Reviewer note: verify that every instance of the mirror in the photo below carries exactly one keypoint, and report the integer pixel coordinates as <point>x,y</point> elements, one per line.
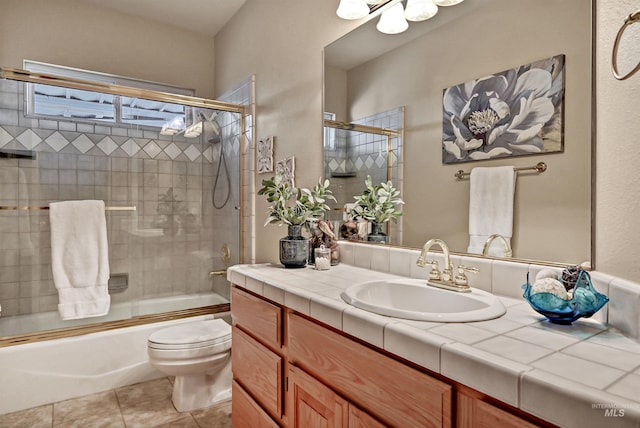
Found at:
<point>367,72</point>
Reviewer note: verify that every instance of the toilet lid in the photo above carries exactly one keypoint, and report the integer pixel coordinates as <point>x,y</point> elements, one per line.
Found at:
<point>191,335</point>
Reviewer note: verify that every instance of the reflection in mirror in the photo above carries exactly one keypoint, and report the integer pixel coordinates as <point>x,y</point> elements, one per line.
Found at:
<point>370,146</point>
<point>367,72</point>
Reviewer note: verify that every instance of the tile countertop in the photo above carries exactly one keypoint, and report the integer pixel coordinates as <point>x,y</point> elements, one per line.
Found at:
<point>582,375</point>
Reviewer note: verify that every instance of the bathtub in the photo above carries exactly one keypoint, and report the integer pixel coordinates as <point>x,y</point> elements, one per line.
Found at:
<point>21,324</point>
<point>45,372</point>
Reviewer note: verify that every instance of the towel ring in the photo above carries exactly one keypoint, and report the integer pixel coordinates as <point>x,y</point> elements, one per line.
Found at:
<point>630,19</point>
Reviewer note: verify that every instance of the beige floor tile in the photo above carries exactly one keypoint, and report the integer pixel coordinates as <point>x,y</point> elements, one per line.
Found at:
<point>184,422</point>
<point>157,389</point>
<point>95,411</point>
<point>38,417</point>
<point>144,405</point>
<point>217,416</point>
<point>151,413</point>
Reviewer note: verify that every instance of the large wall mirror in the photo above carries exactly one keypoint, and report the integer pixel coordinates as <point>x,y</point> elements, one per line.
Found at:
<point>367,73</point>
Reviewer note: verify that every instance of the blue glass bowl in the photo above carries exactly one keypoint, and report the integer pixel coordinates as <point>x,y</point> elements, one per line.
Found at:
<point>586,301</point>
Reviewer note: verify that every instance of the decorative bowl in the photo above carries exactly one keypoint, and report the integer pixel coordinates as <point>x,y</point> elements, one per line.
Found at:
<point>585,302</point>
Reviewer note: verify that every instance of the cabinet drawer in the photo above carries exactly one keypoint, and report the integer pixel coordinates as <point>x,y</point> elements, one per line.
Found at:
<point>396,394</point>
<point>258,370</point>
<point>261,318</point>
<point>475,413</point>
<point>246,413</point>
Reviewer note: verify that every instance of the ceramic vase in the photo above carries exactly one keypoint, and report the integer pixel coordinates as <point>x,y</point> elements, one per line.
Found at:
<point>294,248</point>
<point>377,235</point>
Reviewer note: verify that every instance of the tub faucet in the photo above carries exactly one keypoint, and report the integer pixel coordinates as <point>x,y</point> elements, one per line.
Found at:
<point>506,248</point>
<point>446,278</point>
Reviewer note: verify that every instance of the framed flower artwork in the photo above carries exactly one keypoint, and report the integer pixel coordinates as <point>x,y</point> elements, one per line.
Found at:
<point>516,112</point>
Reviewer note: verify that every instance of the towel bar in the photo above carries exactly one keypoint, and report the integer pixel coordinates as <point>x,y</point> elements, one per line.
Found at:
<point>37,208</point>
<point>539,167</point>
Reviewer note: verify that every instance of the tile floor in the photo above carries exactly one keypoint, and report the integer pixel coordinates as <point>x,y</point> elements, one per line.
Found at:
<point>143,405</point>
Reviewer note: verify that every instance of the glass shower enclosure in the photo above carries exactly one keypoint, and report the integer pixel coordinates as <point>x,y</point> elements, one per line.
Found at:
<point>168,168</point>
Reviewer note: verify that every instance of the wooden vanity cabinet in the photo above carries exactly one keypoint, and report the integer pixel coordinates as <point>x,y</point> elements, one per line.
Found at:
<point>291,371</point>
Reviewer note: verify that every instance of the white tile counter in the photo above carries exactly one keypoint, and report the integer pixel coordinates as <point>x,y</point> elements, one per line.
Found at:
<point>580,375</point>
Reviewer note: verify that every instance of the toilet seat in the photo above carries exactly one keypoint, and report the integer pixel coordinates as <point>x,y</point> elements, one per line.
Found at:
<point>191,335</point>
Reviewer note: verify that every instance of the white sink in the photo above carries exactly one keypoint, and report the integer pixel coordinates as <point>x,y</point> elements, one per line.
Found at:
<point>413,299</point>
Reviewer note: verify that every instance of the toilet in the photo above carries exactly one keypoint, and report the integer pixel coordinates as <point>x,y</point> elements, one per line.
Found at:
<point>198,354</point>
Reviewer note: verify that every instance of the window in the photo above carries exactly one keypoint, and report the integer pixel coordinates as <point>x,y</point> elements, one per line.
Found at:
<point>57,102</point>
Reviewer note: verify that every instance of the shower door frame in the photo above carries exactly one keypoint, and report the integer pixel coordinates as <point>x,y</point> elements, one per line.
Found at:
<point>189,101</point>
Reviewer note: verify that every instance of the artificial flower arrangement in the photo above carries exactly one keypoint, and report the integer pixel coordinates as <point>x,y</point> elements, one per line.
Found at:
<point>295,206</point>
<point>377,203</point>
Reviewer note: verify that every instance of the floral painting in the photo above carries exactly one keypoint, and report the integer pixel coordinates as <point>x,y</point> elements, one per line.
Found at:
<point>512,113</point>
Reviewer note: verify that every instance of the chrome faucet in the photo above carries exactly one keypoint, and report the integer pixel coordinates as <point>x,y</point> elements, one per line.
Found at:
<point>506,248</point>
<point>446,278</point>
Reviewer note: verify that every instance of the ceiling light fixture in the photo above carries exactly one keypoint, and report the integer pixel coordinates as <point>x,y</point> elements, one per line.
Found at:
<point>447,2</point>
<point>392,20</point>
<point>352,9</point>
<point>420,10</point>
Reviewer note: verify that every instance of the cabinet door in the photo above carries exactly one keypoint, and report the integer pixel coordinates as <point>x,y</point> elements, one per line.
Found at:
<point>313,405</point>
<point>475,413</point>
<point>392,392</point>
<point>360,419</point>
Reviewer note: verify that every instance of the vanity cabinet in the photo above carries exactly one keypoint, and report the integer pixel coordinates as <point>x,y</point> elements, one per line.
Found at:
<point>291,371</point>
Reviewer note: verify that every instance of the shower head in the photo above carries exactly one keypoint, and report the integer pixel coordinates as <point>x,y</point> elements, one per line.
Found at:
<point>212,122</point>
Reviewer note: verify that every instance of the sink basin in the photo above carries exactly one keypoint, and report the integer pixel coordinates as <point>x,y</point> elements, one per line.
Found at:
<point>413,299</point>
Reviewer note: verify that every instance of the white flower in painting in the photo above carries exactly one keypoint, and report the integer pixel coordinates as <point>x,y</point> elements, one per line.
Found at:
<point>502,114</point>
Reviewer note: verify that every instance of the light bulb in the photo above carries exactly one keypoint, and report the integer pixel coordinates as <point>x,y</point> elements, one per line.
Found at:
<point>352,9</point>
<point>447,2</point>
<point>392,20</point>
<point>420,10</point>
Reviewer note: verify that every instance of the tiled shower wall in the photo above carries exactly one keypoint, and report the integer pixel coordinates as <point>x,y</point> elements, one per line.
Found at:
<point>167,245</point>
<point>354,155</point>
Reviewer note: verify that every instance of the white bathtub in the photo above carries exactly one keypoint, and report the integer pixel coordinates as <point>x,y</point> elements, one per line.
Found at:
<point>45,372</point>
<point>21,324</point>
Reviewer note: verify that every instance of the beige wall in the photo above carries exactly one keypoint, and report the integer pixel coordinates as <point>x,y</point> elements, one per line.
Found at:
<point>281,42</point>
<point>75,34</point>
<point>552,211</point>
<point>618,148</point>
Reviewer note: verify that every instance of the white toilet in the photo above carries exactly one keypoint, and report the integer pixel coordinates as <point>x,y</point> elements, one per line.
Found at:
<point>198,354</point>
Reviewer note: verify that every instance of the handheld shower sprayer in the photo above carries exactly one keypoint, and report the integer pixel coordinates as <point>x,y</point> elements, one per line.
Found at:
<point>222,162</point>
<point>214,126</point>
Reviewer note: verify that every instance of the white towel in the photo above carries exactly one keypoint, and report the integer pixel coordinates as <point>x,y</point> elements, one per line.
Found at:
<point>491,207</point>
<point>80,258</point>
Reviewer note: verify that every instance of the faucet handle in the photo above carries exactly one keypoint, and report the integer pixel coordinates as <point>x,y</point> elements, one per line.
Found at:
<point>461,277</point>
<point>434,273</point>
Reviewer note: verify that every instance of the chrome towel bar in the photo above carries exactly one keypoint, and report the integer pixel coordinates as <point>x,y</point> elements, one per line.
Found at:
<point>539,167</point>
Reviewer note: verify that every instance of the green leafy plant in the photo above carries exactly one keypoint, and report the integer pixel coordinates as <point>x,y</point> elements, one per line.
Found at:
<point>377,203</point>
<point>295,206</point>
